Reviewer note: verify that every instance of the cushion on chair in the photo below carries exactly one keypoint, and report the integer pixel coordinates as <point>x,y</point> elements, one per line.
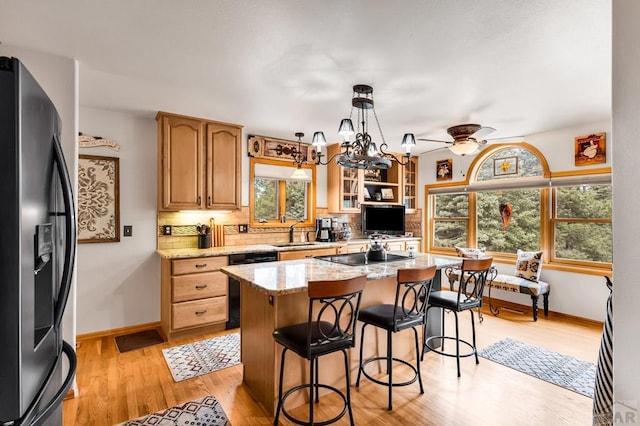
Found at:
<point>294,337</point>
<point>529,265</point>
<point>520,285</point>
<point>473,253</point>
<point>449,300</point>
<point>382,316</point>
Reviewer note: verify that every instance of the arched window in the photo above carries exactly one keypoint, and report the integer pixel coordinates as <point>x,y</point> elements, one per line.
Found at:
<point>509,163</point>
<point>512,201</point>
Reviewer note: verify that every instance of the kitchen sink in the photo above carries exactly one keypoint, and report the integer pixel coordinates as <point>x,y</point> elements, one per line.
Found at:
<point>298,244</point>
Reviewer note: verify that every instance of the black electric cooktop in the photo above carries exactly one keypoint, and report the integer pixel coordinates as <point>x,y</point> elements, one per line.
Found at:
<point>357,259</point>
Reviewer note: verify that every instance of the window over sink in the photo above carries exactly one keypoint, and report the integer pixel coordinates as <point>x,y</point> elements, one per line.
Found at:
<point>278,199</point>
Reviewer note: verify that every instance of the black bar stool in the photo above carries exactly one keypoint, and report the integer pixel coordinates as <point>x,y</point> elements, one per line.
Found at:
<point>473,276</point>
<point>408,311</point>
<point>331,327</point>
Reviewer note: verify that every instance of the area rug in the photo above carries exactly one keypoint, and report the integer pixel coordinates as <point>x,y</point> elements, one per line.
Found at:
<point>198,358</point>
<point>205,412</point>
<point>553,367</point>
<point>138,340</point>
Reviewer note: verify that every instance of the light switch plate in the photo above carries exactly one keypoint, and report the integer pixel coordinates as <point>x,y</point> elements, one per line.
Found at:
<point>243,229</point>
<point>128,230</point>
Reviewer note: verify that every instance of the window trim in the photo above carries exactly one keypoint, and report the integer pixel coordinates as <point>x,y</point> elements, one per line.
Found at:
<point>547,199</point>
<point>311,195</point>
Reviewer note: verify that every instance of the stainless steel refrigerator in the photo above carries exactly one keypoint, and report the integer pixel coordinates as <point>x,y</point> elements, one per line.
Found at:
<point>37,253</point>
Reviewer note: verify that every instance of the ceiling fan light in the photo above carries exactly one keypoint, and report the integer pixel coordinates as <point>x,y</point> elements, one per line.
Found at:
<point>464,148</point>
<point>318,139</point>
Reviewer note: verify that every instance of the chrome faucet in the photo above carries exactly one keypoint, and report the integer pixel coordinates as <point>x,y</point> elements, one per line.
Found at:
<point>291,229</point>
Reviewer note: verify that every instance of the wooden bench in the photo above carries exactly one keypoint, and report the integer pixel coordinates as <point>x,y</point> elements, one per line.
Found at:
<point>513,284</point>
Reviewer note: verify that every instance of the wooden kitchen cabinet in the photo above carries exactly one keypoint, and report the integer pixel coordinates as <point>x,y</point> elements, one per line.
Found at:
<point>199,164</point>
<point>301,254</point>
<point>193,296</point>
<point>411,185</point>
<point>343,186</point>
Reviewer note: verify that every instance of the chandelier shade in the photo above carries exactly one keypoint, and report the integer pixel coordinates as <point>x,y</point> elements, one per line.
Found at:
<point>363,152</point>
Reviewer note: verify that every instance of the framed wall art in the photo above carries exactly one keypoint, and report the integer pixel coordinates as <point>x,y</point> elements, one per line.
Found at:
<point>98,199</point>
<point>505,166</point>
<point>387,193</point>
<point>590,149</point>
<point>444,169</point>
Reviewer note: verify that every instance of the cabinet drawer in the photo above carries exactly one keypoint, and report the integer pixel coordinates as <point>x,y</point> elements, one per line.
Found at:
<point>301,254</point>
<point>395,246</point>
<point>200,264</point>
<point>199,312</point>
<point>198,286</point>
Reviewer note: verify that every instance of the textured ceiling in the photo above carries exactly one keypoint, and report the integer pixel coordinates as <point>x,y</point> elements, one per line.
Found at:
<point>281,66</point>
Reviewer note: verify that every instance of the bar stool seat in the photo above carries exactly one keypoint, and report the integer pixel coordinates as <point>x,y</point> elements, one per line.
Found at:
<point>333,311</point>
<point>408,311</point>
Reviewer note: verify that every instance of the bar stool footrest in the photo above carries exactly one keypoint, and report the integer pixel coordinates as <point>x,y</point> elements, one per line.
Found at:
<point>453,355</point>
<point>380,382</point>
<point>316,423</point>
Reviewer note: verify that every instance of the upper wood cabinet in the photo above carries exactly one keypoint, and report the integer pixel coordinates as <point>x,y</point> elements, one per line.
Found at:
<point>348,188</point>
<point>199,163</point>
<point>411,184</point>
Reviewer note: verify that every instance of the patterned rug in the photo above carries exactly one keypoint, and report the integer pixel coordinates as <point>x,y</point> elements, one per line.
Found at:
<point>553,367</point>
<point>195,359</point>
<point>204,412</point>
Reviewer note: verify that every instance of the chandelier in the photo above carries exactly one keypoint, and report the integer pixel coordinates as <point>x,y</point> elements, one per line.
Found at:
<point>363,153</point>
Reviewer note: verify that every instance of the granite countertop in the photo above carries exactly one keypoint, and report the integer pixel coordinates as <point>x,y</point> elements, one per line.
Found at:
<point>262,248</point>
<point>278,278</point>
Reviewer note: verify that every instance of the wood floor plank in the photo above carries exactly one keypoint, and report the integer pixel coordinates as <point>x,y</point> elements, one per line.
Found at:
<point>116,387</point>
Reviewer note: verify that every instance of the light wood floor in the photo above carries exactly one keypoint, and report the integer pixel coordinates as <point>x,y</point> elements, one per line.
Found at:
<point>115,387</point>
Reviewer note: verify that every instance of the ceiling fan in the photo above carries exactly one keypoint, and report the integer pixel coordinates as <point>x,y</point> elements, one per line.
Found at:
<point>467,138</point>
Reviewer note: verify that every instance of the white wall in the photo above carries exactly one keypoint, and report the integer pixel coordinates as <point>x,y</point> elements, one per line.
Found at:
<point>119,283</point>
<point>58,78</point>
<point>558,149</point>
<point>626,227</point>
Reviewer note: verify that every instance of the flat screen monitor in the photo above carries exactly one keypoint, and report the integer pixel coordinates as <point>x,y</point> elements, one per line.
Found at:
<point>387,219</point>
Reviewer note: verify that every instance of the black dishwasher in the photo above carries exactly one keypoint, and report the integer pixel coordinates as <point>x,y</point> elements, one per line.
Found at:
<point>233,295</point>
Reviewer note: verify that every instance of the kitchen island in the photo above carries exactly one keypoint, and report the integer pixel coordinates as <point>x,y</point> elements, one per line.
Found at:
<point>274,295</point>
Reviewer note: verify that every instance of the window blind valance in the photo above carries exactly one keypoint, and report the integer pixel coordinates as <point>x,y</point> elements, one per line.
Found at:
<point>270,171</point>
<point>525,183</point>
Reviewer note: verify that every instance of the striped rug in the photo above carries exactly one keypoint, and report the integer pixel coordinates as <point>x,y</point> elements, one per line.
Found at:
<point>553,367</point>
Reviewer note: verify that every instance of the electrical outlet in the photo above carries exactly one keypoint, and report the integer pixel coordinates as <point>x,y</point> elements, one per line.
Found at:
<point>166,230</point>
<point>243,229</point>
<point>128,231</point>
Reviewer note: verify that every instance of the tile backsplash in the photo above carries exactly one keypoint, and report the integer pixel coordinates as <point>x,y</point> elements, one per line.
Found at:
<point>184,233</point>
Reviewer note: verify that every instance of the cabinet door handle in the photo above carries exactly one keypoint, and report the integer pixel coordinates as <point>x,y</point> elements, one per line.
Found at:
<point>199,200</point>
<point>201,265</point>
<point>209,200</point>
<point>201,287</point>
<point>201,312</point>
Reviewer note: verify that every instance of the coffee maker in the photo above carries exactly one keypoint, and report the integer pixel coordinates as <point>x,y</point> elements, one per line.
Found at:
<point>323,229</point>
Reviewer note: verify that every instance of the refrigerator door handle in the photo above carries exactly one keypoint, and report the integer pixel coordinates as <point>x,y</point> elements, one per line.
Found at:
<point>31,417</point>
<point>70,232</point>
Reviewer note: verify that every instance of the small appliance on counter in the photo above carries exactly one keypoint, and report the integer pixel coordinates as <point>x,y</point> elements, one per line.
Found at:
<point>323,229</point>
<point>376,251</point>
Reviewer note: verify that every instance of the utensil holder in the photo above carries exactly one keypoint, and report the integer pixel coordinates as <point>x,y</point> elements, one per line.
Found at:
<point>204,241</point>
